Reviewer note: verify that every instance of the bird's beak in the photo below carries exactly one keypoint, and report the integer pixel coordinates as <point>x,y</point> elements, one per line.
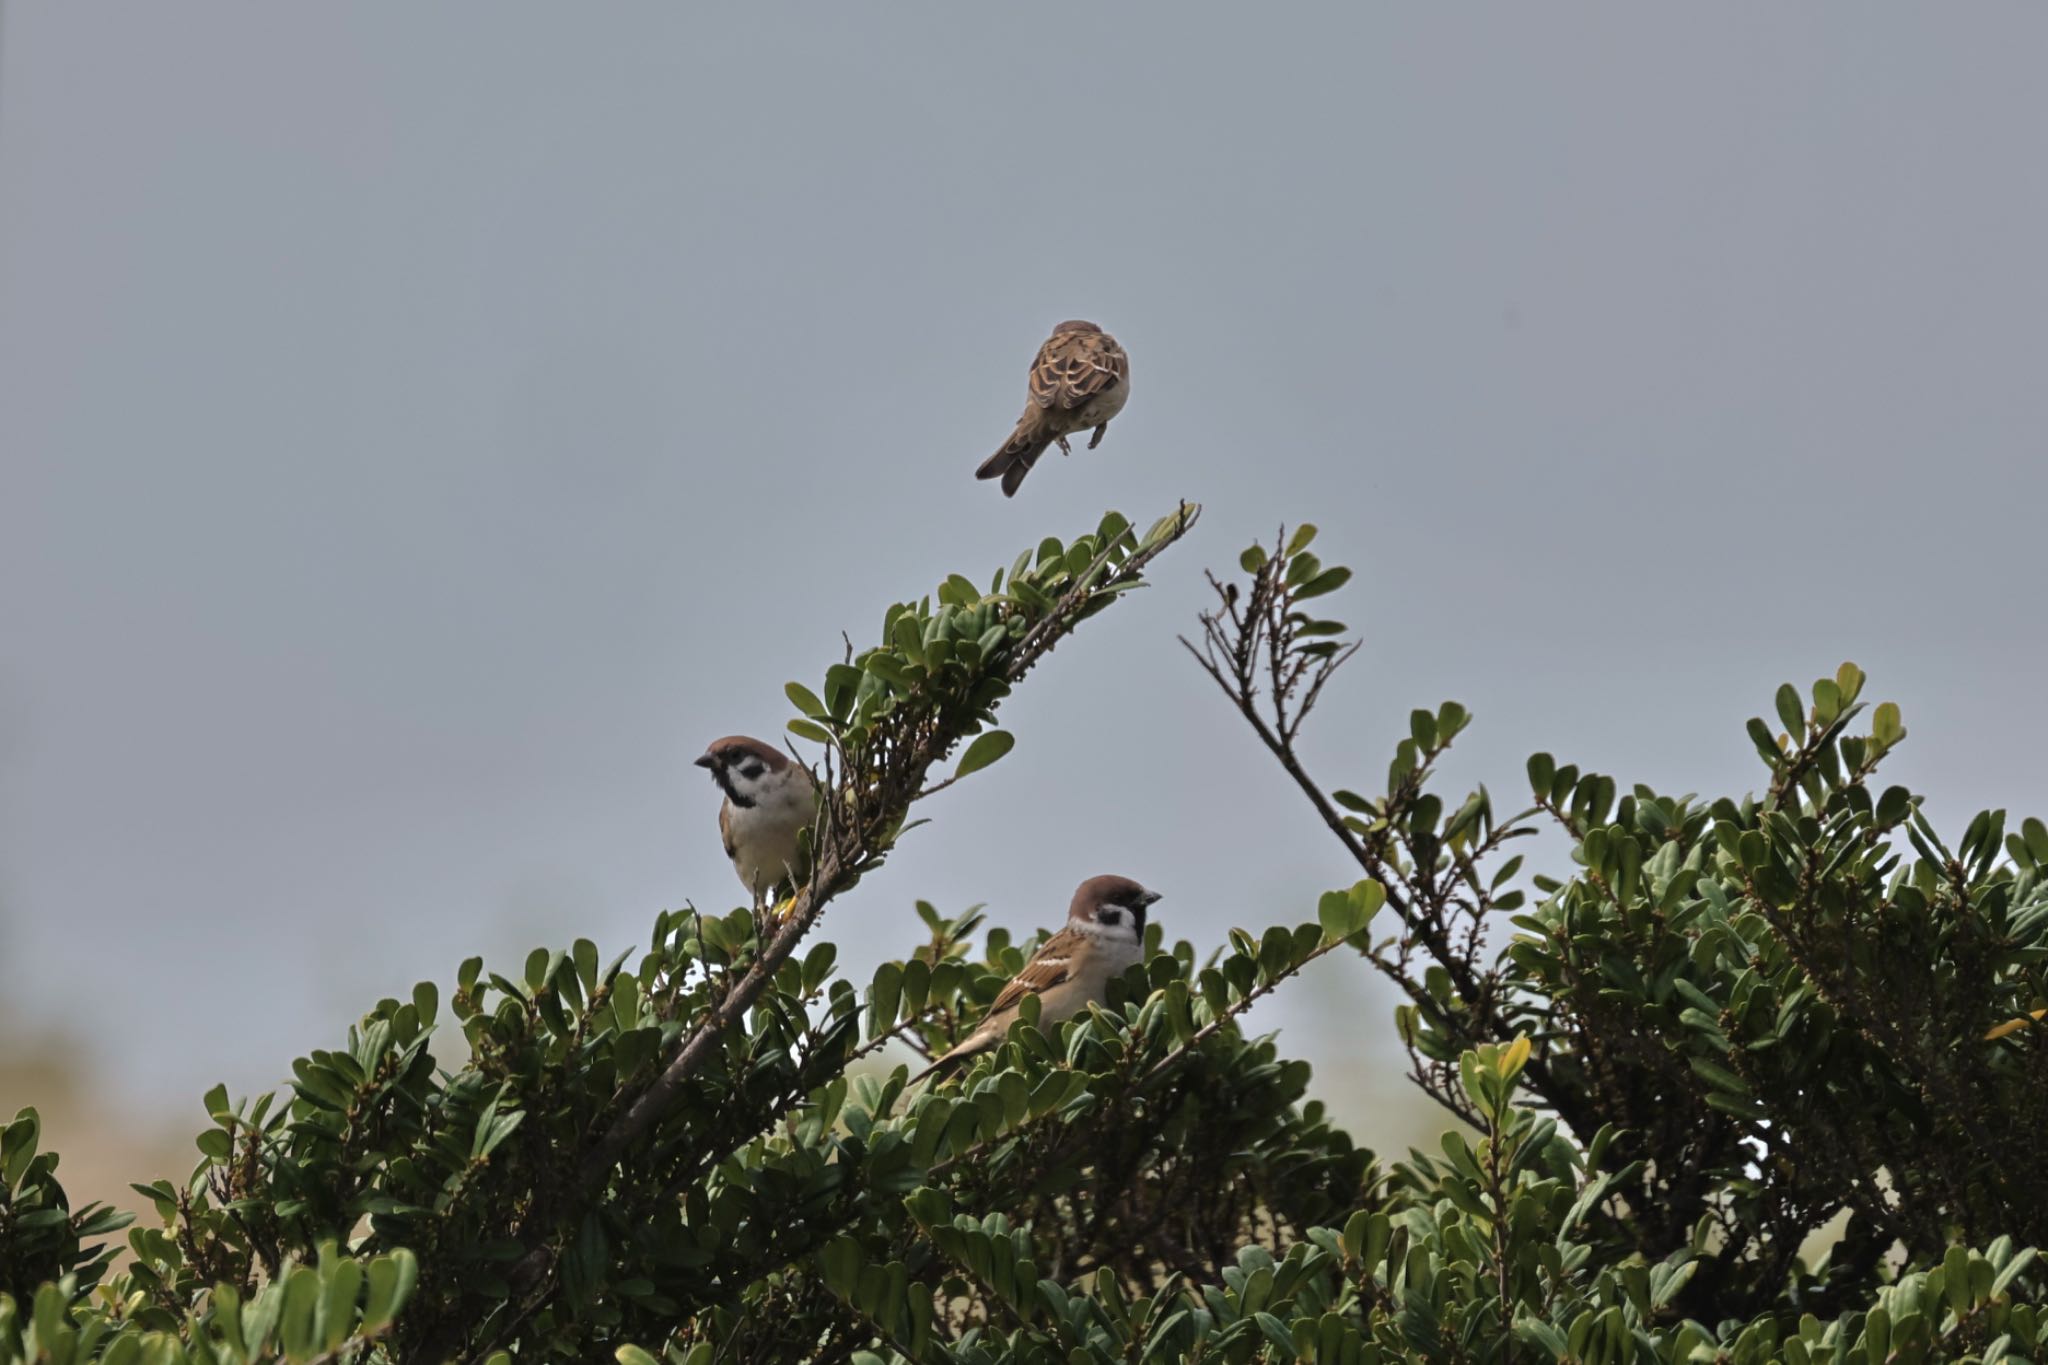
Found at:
<point>1151,896</point>
<point>707,761</point>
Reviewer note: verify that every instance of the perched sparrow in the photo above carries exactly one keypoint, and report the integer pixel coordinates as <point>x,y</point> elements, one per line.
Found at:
<point>1080,380</point>
<point>1104,934</point>
<point>770,800</point>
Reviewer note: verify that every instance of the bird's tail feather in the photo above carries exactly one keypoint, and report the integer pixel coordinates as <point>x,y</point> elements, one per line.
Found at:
<point>947,1063</point>
<point>1013,461</point>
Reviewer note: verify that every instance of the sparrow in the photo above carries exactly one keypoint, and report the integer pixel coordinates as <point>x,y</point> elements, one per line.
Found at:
<point>1103,935</point>
<point>770,800</point>
<point>1079,380</point>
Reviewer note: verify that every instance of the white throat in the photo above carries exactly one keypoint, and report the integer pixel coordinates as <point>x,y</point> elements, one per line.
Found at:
<point>773,788</point>
<point>1121,942</point>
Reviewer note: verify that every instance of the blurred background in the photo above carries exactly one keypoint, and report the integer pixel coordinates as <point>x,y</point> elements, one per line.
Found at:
<point>421,429</point>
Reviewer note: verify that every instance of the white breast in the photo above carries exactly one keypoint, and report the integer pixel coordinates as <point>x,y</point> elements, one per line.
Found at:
<point>765,835</point>
<point>1113,953</point>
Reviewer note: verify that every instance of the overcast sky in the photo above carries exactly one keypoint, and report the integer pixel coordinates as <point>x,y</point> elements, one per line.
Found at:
<point>425,426</point>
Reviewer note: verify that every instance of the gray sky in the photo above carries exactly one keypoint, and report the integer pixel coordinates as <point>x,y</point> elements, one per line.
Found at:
<point>424,427</point>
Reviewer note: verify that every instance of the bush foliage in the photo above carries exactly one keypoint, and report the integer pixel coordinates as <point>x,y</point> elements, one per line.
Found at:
<point>1734,1021</point>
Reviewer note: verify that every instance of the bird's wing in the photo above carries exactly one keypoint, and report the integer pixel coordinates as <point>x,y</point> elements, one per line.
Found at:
<point>1048,967</point>
<point>725,828</point>
<point>1073,367</point>
<point>1052,964</point>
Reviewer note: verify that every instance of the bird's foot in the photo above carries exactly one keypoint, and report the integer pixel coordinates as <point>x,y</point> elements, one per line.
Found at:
<point>1065,449</point>
<point>1096,439</point>
<point>771,915</point>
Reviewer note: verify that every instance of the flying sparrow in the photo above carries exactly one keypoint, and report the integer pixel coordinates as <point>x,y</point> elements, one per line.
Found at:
<point>770,800</point>
<point>1103,935</point>
<point>1079,380</point>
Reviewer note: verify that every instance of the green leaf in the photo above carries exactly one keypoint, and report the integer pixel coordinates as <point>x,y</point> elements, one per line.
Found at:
<point>1277,1333</point>
<point>1361,902</point>
<point>540,966</point>
<point>18,1147</point>
<point>391,1280</point>
<point>337,1313</point>
<point>1299,541</point>
<point>1664,1290</point>
<point>842,684</point>
<point>908,638</point>
<point>49,1315</point>
<point>889,669</point>
<point>842,1261</point>
<point>1790,711</point>
<point>1340,920</point>
<point>805,700</point>
<point>884,997</point>
<point>1719,1076</point>
<point>1542,1335</point>
<point>1956,1279</point>
<point>1827,700</point>
<point>426,999</point>
<point>1884,724</point>
<point>2011,1271</point>
<point>1877,1334</point>
<point>804,729</point>
<point>1766,745</point>
<point>1736,1105</point>
<point>985,749</point>
<point>301,1303</point>
<point>1328,581</point>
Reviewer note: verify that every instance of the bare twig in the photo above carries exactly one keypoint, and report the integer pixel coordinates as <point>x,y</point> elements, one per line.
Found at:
<point>935,788</point>
<point>1251,649</point>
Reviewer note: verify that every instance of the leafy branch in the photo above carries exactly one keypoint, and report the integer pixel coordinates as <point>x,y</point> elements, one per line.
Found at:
<point>886,717</point>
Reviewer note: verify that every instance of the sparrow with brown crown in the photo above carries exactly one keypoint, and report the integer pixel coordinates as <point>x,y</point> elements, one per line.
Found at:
<point>770,800</point>
<point>1080,379</point>
<point>1103,936</point>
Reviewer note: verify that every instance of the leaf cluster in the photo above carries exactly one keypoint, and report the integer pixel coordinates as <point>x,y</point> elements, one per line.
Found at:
<point>1763,1013</point>
<point>339,1307</point>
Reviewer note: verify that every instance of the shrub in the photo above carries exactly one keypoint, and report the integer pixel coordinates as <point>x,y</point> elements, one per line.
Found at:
<point>1734,1021</point>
